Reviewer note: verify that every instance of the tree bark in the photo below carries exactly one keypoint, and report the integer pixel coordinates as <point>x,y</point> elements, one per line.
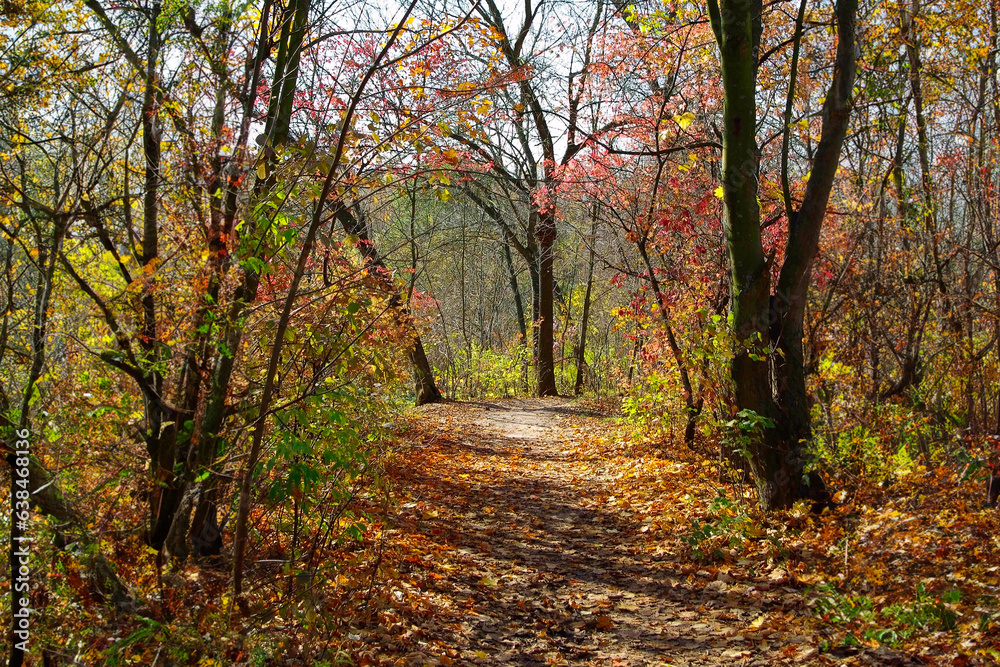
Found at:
<point>802,246</point>
<point>161,441</point>
<point>515,289</point>
<point>692,407</point>
<point>48,251</point>
<point>581,350</point>
<point>929,214</point>
<point>733,24</point>
<point>425,389</point>
<point>762,321</point>
<point>546,235</point>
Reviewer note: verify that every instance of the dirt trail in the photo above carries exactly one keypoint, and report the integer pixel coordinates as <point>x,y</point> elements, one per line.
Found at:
<point>519,556</point>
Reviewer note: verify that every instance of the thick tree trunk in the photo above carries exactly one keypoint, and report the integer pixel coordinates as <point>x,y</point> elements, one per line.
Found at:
<point>546,312</point>
<point>734,26</point>
<point>424,388</point>
<point>761,321</point>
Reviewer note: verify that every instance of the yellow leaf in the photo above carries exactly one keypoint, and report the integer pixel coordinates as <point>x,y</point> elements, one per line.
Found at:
<point>685,119</point>
<point>718,192</point>
<point>801,508</point>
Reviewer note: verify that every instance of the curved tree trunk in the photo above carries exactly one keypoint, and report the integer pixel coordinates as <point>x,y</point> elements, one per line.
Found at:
<point>789,302</point>
<point>425,389</point>
<point>691,405</point>
<point>515,289</point>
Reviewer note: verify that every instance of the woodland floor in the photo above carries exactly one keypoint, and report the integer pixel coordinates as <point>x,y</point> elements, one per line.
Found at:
<point>523,537</point>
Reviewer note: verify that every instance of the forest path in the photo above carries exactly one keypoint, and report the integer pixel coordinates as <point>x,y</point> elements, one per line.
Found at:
<point>516,551</point>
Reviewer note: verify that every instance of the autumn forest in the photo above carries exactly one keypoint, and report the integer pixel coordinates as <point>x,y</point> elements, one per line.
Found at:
<point>485,332</point>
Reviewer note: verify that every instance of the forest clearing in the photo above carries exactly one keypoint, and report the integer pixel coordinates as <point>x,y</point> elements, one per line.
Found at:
<point>473,332</point>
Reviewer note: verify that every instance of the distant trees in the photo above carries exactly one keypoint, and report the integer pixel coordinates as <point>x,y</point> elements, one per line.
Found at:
<point>541,107</point>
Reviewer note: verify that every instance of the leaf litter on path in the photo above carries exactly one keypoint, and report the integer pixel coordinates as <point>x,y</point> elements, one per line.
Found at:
<point>526,533</point>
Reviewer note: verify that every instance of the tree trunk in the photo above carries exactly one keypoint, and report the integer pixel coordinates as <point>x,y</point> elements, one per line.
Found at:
<point>800,253</point>
<point>581,350</point>
<point>270,377</point>
<point>426,390</point>
<point>515,289</point>
<point>48,250</point>
<point>48,497</point>
<point>761,321</point>
<point>692,407</point>
<point>423,375</point>
<point>735,31</point>
<point>911,42</point>
<point>546,362</point>
<point>161,423</point>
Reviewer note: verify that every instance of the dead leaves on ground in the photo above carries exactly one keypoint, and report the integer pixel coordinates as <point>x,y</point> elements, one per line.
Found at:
<point>554,540</point>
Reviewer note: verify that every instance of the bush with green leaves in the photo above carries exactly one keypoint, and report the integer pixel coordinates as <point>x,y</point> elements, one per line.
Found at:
<point>479,372</point>
<point>890,625</point>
